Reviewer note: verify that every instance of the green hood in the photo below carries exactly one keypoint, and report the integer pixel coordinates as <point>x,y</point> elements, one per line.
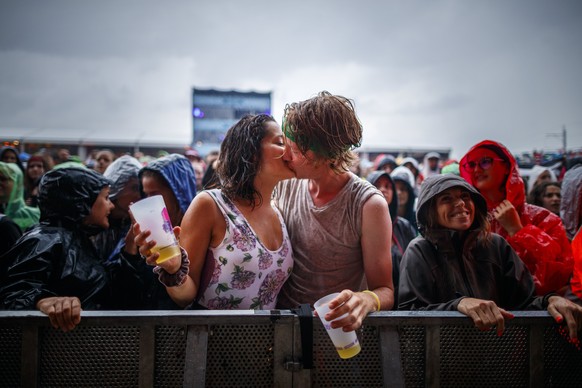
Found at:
<point>24,216</point>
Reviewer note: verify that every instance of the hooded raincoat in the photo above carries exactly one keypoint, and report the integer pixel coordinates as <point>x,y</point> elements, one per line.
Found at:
<point>56,257</point>
<point>403,174</point>
<point>436,272</point>
<point>541,243</point>
<point>178,172</point>
<point>402,231</point>
<point>121,172</point>
<point>24,216</point>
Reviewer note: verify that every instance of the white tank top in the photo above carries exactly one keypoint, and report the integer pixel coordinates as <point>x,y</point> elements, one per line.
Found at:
<point>246,274</point>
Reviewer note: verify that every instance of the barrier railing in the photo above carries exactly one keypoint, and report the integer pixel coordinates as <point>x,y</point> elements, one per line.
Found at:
<point>263,349</point>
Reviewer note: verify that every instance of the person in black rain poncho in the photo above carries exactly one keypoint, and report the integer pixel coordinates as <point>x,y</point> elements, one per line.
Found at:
<point>54,267</point>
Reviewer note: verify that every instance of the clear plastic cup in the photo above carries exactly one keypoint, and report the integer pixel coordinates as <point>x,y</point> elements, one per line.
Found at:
<point>346,343</point>
<point>151,214</point>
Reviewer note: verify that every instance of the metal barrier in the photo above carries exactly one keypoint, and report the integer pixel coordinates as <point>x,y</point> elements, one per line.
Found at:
<point>263,349</point>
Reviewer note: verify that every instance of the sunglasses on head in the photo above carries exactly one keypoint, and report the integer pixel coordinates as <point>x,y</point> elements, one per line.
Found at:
<point>485,163</point>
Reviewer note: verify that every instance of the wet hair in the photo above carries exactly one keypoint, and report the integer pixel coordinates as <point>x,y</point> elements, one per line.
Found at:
<point>327,125</point>
<point>240,158</point>
<point>538,191</point>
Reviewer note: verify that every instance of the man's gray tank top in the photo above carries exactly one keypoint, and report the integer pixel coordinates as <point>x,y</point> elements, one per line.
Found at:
<point>326,240</point>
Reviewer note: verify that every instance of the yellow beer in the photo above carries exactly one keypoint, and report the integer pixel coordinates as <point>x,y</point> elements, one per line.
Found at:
<point>349,352</point>
<point>167,252</point>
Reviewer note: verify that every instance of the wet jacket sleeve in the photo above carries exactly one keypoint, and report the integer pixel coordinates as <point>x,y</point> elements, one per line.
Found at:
<point>26,277</point>
<point>417,289</point>
<point>543,246</point>
<point>576,281</point>
<point>517,289</point>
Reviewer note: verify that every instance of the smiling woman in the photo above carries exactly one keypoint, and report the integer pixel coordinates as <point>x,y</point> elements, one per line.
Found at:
<point>458,264</point>
<point>536,234</point>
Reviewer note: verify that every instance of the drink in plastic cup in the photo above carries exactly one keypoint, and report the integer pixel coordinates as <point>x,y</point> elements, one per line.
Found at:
<point>346,343</point>
<point>151,214</point>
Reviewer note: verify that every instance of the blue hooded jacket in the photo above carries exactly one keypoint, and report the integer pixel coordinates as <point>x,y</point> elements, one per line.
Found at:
<point>179,174</point>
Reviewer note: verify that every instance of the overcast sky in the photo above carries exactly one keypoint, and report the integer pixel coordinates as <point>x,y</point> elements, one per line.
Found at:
<point>422,73</point>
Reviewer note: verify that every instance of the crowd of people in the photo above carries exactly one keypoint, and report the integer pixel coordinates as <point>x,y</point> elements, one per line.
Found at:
<point>283,215</point>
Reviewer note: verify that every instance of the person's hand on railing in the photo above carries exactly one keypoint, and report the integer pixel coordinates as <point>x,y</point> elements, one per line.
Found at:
<point>562,309</point>
<point>484,313</point>
<point>171,266</point>
<point>64,312</point>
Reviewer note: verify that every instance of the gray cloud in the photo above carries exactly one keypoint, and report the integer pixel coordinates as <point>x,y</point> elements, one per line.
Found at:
<point>422,74</point>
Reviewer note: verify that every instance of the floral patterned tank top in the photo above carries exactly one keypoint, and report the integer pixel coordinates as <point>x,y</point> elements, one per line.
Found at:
<point>246,274</point>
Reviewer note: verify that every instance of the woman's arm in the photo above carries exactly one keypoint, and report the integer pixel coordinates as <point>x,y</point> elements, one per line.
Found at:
<point>202,226</point>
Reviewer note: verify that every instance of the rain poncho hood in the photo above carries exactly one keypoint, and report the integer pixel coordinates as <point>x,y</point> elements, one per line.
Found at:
<point>412,161</point>
<point>392,206</point>
<point>120,172</point>
<point>403,174</point>
<point>14,150</point>
<point>514,187</point>
<point>426,170</point>
<point>24,216</point>
<point>571,200</point>
<point>541,243</point>
<point>178,172</point>
<point>433,186</point>
<point>66,195</point>
<point>535,172</point>
<point>384,160</point>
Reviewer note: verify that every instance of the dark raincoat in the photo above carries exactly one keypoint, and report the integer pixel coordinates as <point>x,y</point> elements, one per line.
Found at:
<point>541,243</point>
<point>402,232</point>
<point>56,257</point>
<point>403,174</point>
<point>436,273</point>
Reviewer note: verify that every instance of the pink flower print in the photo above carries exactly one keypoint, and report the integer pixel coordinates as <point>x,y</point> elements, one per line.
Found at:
<point>285,249</point>
<point>265,259</point>
<point>242,279</point>
<point>216,274</point>
<point>269,288</point>
<point>224,303</point>
<point>244,239</point>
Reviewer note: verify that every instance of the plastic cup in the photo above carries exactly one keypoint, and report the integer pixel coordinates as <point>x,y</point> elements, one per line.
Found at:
<point>346,343</point>
<point>151,214</point>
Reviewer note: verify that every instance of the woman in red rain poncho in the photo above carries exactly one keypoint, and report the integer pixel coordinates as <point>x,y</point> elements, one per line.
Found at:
<point>536,234</point>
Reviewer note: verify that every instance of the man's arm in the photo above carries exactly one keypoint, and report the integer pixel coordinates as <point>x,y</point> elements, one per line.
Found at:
<point>376,240</point>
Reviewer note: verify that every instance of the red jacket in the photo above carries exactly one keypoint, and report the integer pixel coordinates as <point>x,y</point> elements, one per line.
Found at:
<point>542,243</point>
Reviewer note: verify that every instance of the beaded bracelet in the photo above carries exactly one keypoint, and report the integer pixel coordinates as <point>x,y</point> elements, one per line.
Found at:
<point>178,278</point>
<point>375,297</point>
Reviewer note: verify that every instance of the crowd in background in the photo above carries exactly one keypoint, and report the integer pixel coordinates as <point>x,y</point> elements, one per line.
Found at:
<point>55,205</point>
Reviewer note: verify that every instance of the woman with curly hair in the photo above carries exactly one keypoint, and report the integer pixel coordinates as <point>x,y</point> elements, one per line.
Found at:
<point>236,250</point>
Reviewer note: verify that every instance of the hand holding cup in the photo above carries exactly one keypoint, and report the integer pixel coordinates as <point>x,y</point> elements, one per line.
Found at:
<point>158,242</point>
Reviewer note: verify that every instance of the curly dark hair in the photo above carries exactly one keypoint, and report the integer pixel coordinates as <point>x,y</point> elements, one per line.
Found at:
<point>327,125</point>
<point>240,158</point>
